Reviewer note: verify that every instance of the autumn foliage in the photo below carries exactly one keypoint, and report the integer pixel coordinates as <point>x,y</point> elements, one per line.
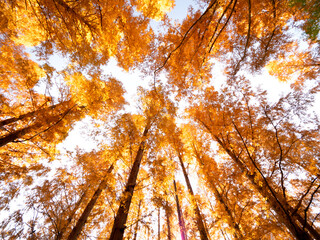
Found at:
<point>201,152</point>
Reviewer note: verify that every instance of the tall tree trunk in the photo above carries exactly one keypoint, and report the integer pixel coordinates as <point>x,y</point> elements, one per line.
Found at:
<point>159,226</point>
<point>180,217</point>
<point>11,137</point>
<point>123,211</point>
<point>279,205</point>
<point>85,214</point>
<point>31,114</point>
<point>199,218</point>
<point>36,127</point>
<point>168,221</point>
<point>231,220</point>
<point>137,223</point>
<point>71,216</point>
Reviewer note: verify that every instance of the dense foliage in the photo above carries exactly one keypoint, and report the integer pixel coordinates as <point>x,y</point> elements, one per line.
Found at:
<point>202,153</point>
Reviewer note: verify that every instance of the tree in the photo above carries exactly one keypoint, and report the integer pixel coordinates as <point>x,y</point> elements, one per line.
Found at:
<point>250,163</point>
<point>153,108</point>
<point>246,146</point>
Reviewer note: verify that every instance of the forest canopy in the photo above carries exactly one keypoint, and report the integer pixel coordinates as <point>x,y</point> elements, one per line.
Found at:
<point>203,150</point>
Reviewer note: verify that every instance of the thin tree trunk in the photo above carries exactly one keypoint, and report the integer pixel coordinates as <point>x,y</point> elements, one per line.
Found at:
<point>168,221</point>
<point>232,223</point>
<point>85,214</point>
<point>123,211</point>
<point>13,136</point>
<point>71,216</point>
<point>30,114</point>
<point>159,227</point>
<point>199,219</point>
<point>137,223</point>
<point>180,217</point>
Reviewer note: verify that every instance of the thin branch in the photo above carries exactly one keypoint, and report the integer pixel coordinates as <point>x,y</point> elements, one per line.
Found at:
<point>303,196</point>
<point>307,208</point>
<point>237,68</point>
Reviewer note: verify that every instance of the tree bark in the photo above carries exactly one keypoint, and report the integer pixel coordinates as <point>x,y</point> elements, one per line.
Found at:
<point>122,214</point>
<point>199,218</point>
<point>180,217</point>
<point>85,214</point>
<point>11,137</point>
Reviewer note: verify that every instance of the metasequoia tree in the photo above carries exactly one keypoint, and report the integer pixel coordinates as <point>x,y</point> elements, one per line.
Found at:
<point>27,136</point>
<point>154,108</point>
<point>266,153</point>
<point>182,225</point>
<point>86,212</point>
<point>175,140</point>
<point>235,202</point>
<point>256,161</point>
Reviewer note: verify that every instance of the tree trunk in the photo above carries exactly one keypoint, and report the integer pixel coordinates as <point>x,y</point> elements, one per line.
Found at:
<point>137,223</point>
<point>36,127</point>
<point>123,211</point>
<point>71,216</point>
<point>85,214</point>
<point>199,219</point>
<point>11,137</point>
<point>168,221</point>
<point>180,217</point>
<point>31,114</point>
<point>231,221</point>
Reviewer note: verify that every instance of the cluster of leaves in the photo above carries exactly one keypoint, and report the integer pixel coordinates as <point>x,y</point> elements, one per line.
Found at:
<point>239,166</point>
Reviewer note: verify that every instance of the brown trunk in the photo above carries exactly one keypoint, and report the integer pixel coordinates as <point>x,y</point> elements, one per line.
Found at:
<point>85,214</point>
<point>137,223</point>
<point>231,221</point>
<point>199,219</point>
<point>11,137</point>
<point>279,205</point>
<point>168,221</point>
<point>71,216</point>
<point>36,127</point>
<point>30,114</point>
<point>123,211</point>
<point>180,217</point>
<point>307,225</point>
<point>159,227</point>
